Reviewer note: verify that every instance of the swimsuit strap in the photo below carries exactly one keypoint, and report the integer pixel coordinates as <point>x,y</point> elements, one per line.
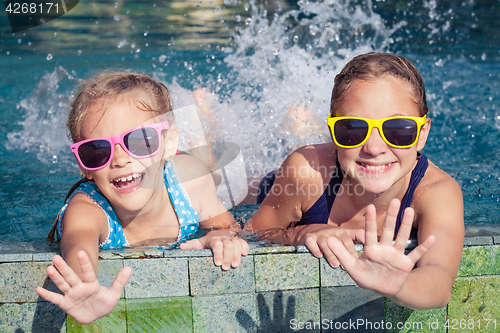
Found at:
<point>188,217</point>
<point>320,211</point>
<point>416,175</point>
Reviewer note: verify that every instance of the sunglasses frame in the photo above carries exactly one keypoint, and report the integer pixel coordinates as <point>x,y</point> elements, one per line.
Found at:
<point>378,124</point>
<point>118,139</point>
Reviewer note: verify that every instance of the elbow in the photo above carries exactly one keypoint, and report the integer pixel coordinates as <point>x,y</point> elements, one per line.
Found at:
<point>445,299</point>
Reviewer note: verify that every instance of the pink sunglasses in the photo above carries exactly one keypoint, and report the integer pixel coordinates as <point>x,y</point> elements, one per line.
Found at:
<point>140,142</point>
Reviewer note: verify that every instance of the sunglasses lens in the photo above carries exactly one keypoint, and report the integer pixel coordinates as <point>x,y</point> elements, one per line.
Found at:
<point>142,142</point>
<point>350,132</point>
<point>400,132</point>
<point>95,153</point>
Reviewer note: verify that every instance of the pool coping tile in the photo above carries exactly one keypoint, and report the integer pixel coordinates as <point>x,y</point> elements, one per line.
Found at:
<point>286,271</point>
<point>207,279</point>
<point>157,277</point>
<point>478,241</point>
<point>15,257</point>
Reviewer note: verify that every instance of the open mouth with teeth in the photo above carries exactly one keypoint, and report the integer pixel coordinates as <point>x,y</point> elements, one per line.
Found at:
<point>375,167</point>
<point>128,181</point>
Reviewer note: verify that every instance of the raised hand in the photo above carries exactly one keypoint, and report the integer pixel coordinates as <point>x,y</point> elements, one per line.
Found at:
<point>85,300</point>
<point>383,267</point>
<point>226,248</point>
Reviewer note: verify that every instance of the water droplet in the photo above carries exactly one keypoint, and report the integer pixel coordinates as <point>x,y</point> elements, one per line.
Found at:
<point>49,56</point>
<point>248,20</point>
<point>162,58</point>
<point>116,17</point>
<point>483,57</point>
<point>296,39</point>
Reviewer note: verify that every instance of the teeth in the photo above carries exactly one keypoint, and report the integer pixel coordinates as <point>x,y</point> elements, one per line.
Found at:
<point>376,167</point>
<point>117,181</point>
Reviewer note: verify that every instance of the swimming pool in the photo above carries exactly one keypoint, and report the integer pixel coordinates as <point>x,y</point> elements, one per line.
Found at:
<point>258,60</point>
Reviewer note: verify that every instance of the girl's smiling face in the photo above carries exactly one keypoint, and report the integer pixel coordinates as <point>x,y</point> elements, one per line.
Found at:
<point>376,165</point>
<point>127,182</point>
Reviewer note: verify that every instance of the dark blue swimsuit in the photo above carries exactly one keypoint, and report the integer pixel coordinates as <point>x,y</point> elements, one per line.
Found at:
<point>320,211</point>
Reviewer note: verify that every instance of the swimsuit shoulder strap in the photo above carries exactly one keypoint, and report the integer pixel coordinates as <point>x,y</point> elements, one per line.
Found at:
<point>188,217</point>
<point>320,211</point>
<point>416,175</point>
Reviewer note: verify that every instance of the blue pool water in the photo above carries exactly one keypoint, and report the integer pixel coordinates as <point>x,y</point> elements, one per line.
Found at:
<point>258,59</point>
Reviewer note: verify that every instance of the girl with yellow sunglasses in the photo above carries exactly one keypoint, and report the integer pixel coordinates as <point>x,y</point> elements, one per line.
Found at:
<point>373,185</point>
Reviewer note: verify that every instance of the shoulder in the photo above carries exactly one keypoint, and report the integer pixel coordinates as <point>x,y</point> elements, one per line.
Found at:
<point>309,163</point>
<point>190,168</point>
<point>439,196</point>
<point>197,180</point>
<point>83,216</point>
<point>436,181</point>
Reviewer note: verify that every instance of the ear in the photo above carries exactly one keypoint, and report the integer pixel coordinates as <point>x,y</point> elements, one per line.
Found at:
<point>424,132</point>
<point>170,142</point>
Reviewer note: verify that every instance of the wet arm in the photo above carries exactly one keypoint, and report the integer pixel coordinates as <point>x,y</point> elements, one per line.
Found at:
<point>83,224</point>
<point>430,284</point>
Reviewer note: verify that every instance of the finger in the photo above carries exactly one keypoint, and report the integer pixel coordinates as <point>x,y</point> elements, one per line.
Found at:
<point>404,230</point>
<point>227,254</point>
<point>370,226</point>
<point>244,248</point>
<point>312,245</point>
<point>50,296</point>
<point>120,281</point>
<point>193,244</point>
<point>58,279</point>
<point>217,248</point>
<point>66,272</point>
<point>420,250</point>
<point>88,272</point>
<point>345,258</point>
<point>390,223</point>
<point>328,254</point>
<point>236,252</point>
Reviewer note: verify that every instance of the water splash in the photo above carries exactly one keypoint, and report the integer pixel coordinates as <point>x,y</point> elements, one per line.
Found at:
<point>43,128</point>
<point>276,96</point>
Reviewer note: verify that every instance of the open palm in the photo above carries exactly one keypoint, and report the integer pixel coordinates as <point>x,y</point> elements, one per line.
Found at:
<point>383,266</point>
<point>85,300</point>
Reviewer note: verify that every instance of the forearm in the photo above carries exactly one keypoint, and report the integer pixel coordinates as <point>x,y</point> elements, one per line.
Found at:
<point>70,251</point>
<point>426,287</point>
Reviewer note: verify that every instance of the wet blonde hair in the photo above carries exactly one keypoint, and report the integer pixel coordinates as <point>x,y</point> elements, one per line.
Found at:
<point>149,94</point>
<point>376,65</point>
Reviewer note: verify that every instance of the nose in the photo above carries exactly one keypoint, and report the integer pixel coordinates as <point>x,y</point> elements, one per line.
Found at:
<point>375,145</point>
<point>120,156</point>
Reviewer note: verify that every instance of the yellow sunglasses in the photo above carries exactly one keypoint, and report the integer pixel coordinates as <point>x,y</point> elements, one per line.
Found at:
<point>397,132</point>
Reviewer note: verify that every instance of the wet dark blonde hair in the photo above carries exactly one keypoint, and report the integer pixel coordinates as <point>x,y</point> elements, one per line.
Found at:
<point>376,65</point>
<point>149,94</point>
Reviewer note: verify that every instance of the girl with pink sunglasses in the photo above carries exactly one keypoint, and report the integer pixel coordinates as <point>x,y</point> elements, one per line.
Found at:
<point>137,191</point>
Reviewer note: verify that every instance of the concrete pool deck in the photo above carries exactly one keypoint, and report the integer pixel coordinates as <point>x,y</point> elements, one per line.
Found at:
<point>277,288</point>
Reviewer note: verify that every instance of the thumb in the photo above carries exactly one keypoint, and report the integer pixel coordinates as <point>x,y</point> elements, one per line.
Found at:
<point>357,235</point>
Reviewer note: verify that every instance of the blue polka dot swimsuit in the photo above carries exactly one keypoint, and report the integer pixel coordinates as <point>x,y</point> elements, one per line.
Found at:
<point>188,218</point>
